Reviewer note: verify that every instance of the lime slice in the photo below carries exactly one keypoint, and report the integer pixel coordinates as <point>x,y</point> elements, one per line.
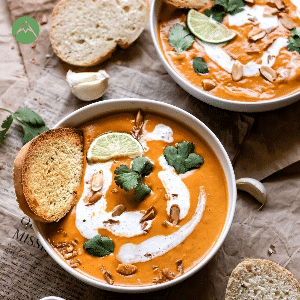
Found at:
<point>208,30</point>
<point>113,144</point>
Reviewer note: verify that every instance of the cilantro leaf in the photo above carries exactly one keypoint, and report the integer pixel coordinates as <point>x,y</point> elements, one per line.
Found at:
<point>5,125</point>
<point>170,154</point>
<point>235,7</point>
<point>180,38</point>
<point>221,7</point>
<point>183,159</point>
<point>142,165</point>
<point>99,246</point>
<point>127,180</point>
<point>185,148</point>
<point>200,65</point>
<point>30,117</point>
<point>295,32</point>
<point>122,169</point>
<point>31,122</point>
<point>141,191</point>
<point>217,12</point>
<point>294,40</point>
<point>221,3</point>
<point>31,132</point>
<point>194,161</point>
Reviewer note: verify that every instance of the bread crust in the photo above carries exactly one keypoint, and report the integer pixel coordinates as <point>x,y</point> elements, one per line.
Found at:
<point>18,164</point>
<point>96,61</point>
<point>286,276</point>
<point>196,4</point>
<point>21,178</point>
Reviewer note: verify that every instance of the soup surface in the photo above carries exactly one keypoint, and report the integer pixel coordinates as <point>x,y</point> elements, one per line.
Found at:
<point>271,50</point>
<point>201,195</point>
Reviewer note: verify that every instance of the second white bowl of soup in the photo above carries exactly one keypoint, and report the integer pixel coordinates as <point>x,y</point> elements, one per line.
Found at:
<point>270,71</point>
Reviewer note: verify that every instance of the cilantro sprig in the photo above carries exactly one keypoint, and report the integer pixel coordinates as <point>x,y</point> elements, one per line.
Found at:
<point>99,246</point>
<point>183,157</point>
<point>180,38</point>
<point>31,122</point>
<point>294,40</point>
<point>131,178</point>
<point>222,7</point>
<point>200,66</point>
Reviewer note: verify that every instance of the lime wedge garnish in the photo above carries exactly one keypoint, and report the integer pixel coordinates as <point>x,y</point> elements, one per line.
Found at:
<point>113,144</point>
<point>207,29</point>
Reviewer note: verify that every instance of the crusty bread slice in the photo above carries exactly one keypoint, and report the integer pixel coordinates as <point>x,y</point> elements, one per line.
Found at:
<point>196,4</point>
<point>261,279</point>
<point>47,174</point>
<point>86,32</point>
<point>18,164</point>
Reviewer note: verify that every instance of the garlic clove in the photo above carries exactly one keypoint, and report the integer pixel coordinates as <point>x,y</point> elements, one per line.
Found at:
<point>253,187</point>
<point>88,86</point>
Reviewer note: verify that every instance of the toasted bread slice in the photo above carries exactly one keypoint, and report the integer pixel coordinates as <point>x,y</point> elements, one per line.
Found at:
<point>86,32</point>
<point>261,279</point>
<point>196,4</point>
<point>47,174</point>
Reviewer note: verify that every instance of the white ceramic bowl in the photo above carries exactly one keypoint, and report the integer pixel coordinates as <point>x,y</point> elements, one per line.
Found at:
<point>240,106</point>
<point>111,106</point>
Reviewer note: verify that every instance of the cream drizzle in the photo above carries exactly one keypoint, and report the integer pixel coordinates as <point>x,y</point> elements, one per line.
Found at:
<point>90,218</point>
<point>158,245</point>
<point>176,190</point>
<point>220,57</point>
<point>297,4</point>
<point>256,12</point>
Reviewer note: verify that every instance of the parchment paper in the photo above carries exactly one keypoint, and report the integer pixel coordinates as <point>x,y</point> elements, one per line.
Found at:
<point>27,272</point>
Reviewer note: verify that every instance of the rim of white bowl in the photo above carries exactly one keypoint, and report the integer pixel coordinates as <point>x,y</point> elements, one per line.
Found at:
<point>52,298</point>
<point>239,106</point>
<point>93,110</point>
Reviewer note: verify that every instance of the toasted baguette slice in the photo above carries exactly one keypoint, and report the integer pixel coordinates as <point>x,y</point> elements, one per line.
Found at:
<point>196,4</point>
<point>86,32</point>
<point>261,279</point>
<point>47,174</point>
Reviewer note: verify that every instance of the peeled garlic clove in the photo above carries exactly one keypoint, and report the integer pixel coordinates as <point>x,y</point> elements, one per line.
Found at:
<point>88,86</point>
<point>253,187</point>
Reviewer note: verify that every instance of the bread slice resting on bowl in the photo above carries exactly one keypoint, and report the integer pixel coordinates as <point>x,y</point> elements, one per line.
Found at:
<point>48,172</point>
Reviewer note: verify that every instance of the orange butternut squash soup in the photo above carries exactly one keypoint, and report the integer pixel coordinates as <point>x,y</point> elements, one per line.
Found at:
<point>258,59</point>
<point>153,201</point>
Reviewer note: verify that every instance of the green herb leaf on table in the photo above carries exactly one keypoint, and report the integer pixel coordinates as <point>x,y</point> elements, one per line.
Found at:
<point>180,38</point>
<point>31,132</point>
<point>29,117</point>
<point>294,40</point>
<point>200,66</point>
<point>99,246</point>
<point>5,126</point>
<point>141,191</point>
<point>183,157</point>
<point>31,122</point>
<point>131,178</point>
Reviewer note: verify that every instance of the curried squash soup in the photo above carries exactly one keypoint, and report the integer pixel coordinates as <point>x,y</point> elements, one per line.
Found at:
<point>261,62</point>
<point>153,201</point>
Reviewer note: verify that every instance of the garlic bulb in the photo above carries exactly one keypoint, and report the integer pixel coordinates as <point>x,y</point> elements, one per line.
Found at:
<point>88,86</point>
